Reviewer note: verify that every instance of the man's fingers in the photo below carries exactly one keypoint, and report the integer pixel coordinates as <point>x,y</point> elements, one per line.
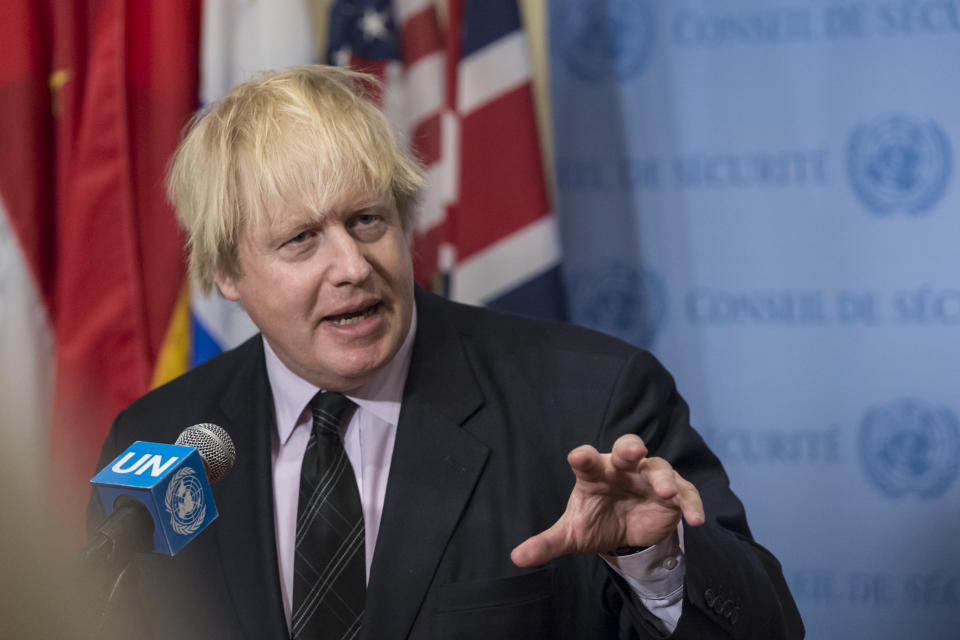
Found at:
<point>690,503</point>
<point>628,452</point>
<point>586,463</point>
<point>667,484</point>
<point>645,475</point>
<point>658,475</point>
<point>661,477</point>
<point>541,548</point>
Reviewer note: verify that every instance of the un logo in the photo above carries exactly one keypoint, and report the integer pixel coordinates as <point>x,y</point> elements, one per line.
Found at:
<point>899,164</point>
<point>604,39</point>
<point>908,446</point>
<point>184,502</point>
<point>621,301</point>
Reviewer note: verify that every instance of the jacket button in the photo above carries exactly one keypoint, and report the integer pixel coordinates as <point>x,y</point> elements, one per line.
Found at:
<point>710,597</point>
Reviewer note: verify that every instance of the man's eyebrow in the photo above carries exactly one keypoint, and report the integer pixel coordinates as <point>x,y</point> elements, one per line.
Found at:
<point>289,226</point>
<point>365,205</point>
<point>296,219</point>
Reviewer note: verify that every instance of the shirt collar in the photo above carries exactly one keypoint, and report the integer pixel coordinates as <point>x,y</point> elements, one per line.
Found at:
<point>381,395</point>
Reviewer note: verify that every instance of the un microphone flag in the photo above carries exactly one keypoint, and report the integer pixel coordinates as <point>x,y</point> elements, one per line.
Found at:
<point>170,481</point>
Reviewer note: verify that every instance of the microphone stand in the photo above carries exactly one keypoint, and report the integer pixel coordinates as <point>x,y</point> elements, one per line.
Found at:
<point>106,564</point>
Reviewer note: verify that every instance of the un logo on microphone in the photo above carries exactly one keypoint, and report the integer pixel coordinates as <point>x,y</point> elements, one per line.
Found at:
<point>601,41</point>
<point>910,447</point>
<point>184,502</point>
<point>621,301</point>
<point>899,163</point>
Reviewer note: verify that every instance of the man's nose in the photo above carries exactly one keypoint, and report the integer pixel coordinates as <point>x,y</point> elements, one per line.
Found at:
<point>348,263</point>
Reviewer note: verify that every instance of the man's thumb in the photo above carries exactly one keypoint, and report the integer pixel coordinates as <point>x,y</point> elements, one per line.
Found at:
<point>539,549</point>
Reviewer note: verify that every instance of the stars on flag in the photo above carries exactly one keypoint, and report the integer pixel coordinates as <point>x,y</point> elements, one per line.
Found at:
<point>373,24</point>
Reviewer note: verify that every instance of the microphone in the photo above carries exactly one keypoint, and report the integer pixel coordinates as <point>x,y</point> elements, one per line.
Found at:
<point>157,496</point>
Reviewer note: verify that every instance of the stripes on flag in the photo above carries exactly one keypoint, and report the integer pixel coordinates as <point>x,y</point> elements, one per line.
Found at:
<point>502,228</point>
<point>465,104</point>
<point>400,43</point>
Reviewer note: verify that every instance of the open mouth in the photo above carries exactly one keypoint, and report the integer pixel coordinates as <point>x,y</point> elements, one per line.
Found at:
<point>354,316</point>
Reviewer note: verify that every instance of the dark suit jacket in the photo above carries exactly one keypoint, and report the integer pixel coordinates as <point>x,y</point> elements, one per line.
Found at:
<point>492,405</point>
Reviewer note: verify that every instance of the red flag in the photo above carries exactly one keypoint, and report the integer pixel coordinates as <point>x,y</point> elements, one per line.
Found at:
<point>121,80</point>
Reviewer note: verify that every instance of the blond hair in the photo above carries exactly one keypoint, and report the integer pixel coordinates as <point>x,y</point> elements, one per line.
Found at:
<point>300,137</point>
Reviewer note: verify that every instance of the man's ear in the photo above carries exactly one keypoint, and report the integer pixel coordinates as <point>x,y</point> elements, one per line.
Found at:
<point>228,287</point>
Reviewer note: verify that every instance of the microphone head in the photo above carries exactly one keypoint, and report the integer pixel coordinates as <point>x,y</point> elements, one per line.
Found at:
<point>215,447</point>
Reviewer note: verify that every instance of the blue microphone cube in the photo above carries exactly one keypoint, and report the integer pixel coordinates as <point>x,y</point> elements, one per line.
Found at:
<point>172,484</point>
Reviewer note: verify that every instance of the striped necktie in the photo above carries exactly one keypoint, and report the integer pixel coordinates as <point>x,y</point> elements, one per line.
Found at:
<point>329,583</point>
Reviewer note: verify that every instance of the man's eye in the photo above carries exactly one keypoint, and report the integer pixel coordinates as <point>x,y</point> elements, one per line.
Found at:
<point>300,237</point>
<point>367,226</point>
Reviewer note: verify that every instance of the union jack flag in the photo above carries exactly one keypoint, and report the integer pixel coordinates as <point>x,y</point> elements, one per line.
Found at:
<point>485,233</point>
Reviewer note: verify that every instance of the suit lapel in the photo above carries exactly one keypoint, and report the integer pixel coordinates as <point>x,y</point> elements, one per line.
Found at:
<point>245,530</point>
<point>434,468</point>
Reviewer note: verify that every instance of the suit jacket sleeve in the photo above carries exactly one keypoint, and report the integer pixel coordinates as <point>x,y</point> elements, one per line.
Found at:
<point>733,586</point>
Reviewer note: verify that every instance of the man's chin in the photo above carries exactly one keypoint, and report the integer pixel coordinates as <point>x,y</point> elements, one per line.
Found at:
<point>347,378</point>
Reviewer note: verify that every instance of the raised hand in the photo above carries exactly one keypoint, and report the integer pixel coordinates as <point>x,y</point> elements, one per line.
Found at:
<point>621,498</point>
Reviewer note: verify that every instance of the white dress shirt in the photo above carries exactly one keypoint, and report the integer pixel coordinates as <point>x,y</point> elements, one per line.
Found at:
<point>655,574</point>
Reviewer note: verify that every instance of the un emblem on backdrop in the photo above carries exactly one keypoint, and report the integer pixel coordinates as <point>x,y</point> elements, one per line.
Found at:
<point>899,163</point>
<point>910,447</point>
<point>606,39</point>
<point>621,301</point>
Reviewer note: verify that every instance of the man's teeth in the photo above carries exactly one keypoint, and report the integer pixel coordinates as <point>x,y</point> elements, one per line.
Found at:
<point>354,319</point>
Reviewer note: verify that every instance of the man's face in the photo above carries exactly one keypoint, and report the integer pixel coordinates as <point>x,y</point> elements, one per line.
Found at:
<point>333,296</point>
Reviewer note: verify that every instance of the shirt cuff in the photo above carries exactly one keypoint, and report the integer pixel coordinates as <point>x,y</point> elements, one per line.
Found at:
<point>656,576</point>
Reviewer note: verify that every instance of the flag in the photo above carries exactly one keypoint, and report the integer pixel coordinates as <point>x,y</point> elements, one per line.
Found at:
<point>465,105</point>
<point>501,228</point>
<point>400,44</point>
<point>239,39</point>
<point>484,232</point>
<point>26,231</point>
<point>96,95</point>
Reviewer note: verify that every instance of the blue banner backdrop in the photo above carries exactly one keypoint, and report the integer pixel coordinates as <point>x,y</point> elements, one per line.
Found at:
<point>764,193</point>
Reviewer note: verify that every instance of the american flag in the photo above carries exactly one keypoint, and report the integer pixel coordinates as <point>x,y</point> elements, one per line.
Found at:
<point>485,233</point>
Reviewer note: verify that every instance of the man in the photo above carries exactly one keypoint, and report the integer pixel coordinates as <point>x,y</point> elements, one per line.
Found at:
<point>468,433</point>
